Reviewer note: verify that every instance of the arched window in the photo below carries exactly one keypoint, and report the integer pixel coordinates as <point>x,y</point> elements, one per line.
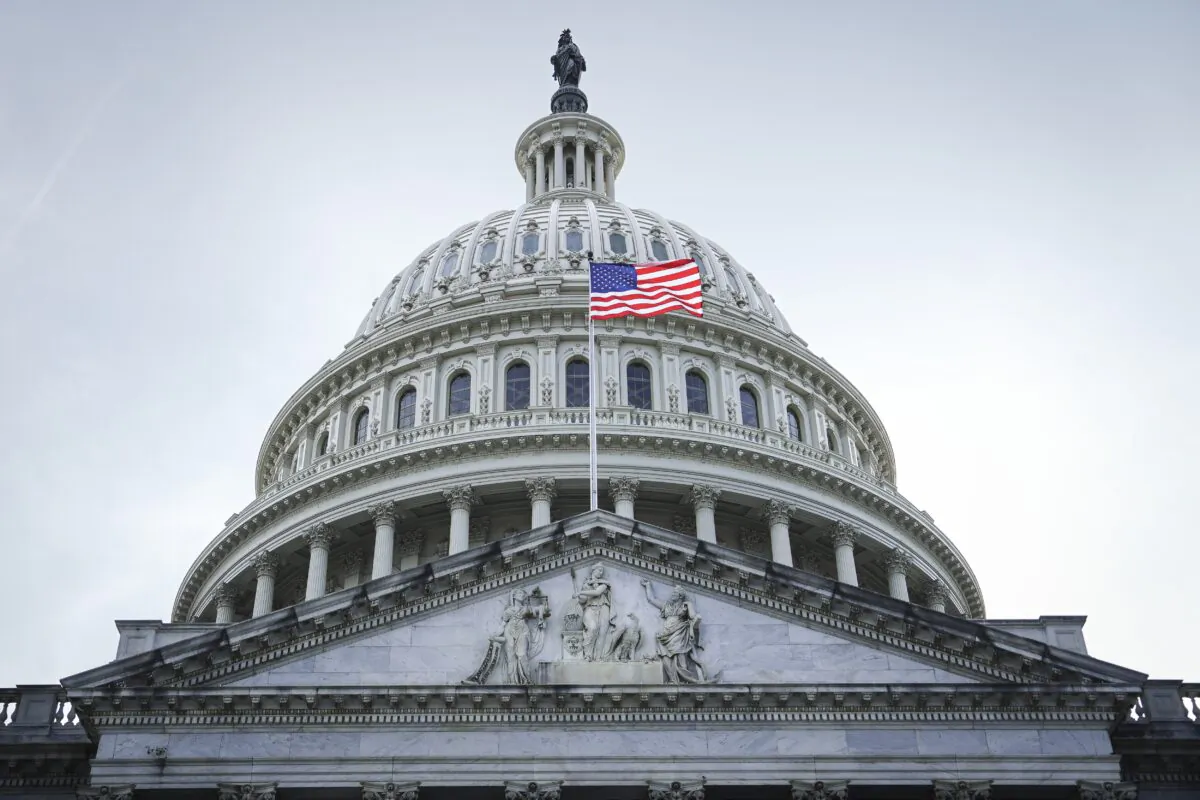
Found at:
<point>574,241</point>
<point>516,387</point>
<point>323,444</point>
<point>862,459</point>
<point>697,392</point>
<point>578,378</point>
<point>449,263</point>
<point>406,409</point>
<point>637,385</point>
<point>731,277</point>
<point>749,407</point>
<point>832,437</point>
<point>570,173</point>
<point>487,253</point>
<point>618,244</point>
<point>795,427</point>
<point>529,243</point>
<point>414,283</point>
<point>362,426</point>
<point>701,264</point>
<point>459,399</point>
<point>658,249</point>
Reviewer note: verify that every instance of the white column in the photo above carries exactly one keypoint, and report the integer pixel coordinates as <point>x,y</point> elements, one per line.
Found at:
<point>318,540</point>
<point>844,537</point>
<point>225,597</point>
<point>529,176</point>
<point>623,491</point>
<point>384,515</point>
<point>540,174</point>
<point>898,563</point>
<point>580,163</point>
<point>411,542</point>
<point>542,492</point>
<point>598,154</point>
<point>936,595</point>
<point>610,180</point>
<point>460,499</point>
<point>266,565</point>
<point>704,500</point>
<point>779,515</point>
<point>560,168</point>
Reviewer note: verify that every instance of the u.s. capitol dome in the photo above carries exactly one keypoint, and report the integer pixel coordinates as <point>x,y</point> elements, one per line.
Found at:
<point>458,414</point>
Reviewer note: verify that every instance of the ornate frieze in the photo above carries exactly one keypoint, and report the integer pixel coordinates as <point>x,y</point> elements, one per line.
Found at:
<point>542,488</point>
<point>1107,790</point>
<point>962,790</point>
<point>546,790</point>
<point>521,638</point>
<point>113,792</point>
<point>676,790</point>
<point>820,790</point>
<point>246,791</point>
<point>266,564</point>
<point>390,791</point>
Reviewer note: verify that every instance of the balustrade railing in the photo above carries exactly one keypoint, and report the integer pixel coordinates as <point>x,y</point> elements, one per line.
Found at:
<point>1167,701</point>
<point>37,711</point>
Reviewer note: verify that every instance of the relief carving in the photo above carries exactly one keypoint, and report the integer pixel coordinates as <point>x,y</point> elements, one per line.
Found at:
<point>390,791</point>
<point>679,638</point>
<point>520,640</point>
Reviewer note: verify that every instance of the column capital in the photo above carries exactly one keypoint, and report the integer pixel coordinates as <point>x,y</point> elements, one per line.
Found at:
<point>225,595</point>
<point>411,542</point>
<point>246,791</point>
<point>383,513</point>
<point>937,592</point>
<point>541,489</point>
<point>1106,790</point>
<point>460,498</point>
<point>390,791</point>
<point>113,792</point>
<point>752,540</point>
<point>676,790</point>
<point>898,562</point>
<point>843,534</point>
<point>319,535</point>
<point>266,564</point>
<point>623,487</point>
<point>777,512</point>
<point>962,790</point>
<point>705,496</point>
<point>820,790</point>
<point>530,790</point>
<point>478,530</point>
<point>352,560</point>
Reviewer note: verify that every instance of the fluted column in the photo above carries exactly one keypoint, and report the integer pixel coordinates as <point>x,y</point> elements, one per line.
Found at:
<point>318,540</point>
<point>560,168</point>
<point>704,500</point>
<point>529,176</point>
<point>460,499</point>
<point>844,537</point>
<point>898,563</point>
<point>225,597</point>
<point>623,491</point>
<point>540,170</point>
<point>266,565</point>
<point>936,596</point>
<point>580,163</point>
<point>542,492</point>
<point>598,154</point>
<point>384,515</point>
<point>779,515</point>
<point>610,180</point>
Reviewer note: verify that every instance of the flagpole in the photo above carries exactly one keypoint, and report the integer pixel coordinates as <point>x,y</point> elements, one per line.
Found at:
<point>593,372</point>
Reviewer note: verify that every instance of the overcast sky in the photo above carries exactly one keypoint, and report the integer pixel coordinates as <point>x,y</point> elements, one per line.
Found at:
<point>986,215</point>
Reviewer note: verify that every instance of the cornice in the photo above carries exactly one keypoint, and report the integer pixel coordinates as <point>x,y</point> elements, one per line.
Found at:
<point>377,459</point>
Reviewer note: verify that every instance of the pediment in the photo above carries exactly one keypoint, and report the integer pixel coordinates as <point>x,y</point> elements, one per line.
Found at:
<point>761,624</point>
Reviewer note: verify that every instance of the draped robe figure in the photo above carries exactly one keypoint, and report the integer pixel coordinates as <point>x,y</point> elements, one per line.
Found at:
<point>679,637</point>
<point>568,61</point>
<point>595,596</point>
<point>520,640</point>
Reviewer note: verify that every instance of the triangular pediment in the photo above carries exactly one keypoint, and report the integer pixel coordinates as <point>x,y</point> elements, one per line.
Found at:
<point>761,624</point>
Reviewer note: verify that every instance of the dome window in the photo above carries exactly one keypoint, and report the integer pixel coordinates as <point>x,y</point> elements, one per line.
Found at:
<point>701,264</point>
<point>529,243</point>
<point>637,385</point>
<point>459,400</point>
<point>749,407</point>
<point>618,244</point>
<point>323,444</point>
<point>516,387</point>
<point>795,428</point>
<point>697,392</point>
<point>362,426</point>
<point>832,438</point>
<point>449,264</point>
<point>735,283</point>
<point>658,249</point>
<point>574,241</point>
<point>487,253</point>
<point>414,283</point>
<point>406,409</point>
<point>578,383</point>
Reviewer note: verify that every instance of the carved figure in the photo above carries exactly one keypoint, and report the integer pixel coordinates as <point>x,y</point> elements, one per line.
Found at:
<point>521,638</point>
<point>568,61</point>
<point>626,642</point>
<point>595,597</point>
<point>679,638</point>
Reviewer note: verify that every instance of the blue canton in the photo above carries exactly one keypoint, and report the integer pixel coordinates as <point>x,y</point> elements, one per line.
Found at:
<point>613,278</point>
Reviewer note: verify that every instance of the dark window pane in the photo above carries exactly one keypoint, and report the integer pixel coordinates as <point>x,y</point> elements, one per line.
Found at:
<point>460,395</point>
<point>794,425</point>
<point>406,409</point>
<point>414,284</point>
<point>697,393</point>
<point>516,387</point>
<point>449,264</point>
<point>362,426</point>
<point>323,444</point>
<point>487,253</point>
<point>574,241</point>
<point>637,385</point>
<point>735,283</point>
<point>577,384</point>
<point>529,244</point>
<point>833,440</point>
<point>701,263</point>
<point>749,408</point>
<point>658,249</point>
<point>617,243</point>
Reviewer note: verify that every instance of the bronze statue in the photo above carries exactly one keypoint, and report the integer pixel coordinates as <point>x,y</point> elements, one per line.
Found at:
<point>568,61</point>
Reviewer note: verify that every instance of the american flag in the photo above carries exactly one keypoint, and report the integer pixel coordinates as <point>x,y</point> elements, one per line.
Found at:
<point>645,290</point>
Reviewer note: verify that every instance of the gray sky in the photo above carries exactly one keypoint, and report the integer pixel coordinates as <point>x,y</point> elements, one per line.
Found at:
<point>984,214</point>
